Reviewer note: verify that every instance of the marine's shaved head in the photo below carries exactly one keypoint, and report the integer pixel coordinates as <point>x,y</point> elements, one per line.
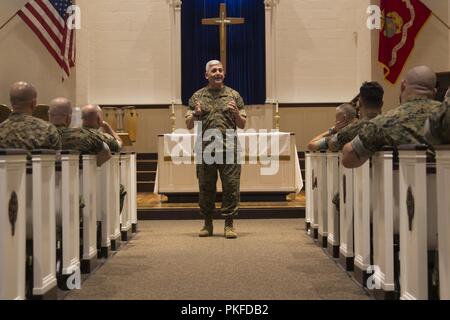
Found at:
<point>420,81</point>
<point>60,106</point>
<point>347,109</point>
<point>60,112</point>
<point>92,116</point>
<point>22,96</point>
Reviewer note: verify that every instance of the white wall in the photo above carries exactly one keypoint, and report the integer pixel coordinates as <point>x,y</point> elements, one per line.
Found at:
<point>129,43</point>
<point>317,50</point>
<point>23,57</point>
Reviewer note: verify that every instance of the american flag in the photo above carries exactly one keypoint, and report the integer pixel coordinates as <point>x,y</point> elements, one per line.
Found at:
<point>48,20</point>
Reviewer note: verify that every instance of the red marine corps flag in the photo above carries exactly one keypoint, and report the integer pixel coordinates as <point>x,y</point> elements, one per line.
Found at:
<point>402,21</point>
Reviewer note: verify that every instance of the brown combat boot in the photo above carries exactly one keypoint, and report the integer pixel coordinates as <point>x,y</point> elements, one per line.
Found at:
<point>207,230</point>
<point>230,233</point>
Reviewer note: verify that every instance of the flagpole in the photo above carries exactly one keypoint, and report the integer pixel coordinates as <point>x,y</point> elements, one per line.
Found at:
<point>434,14</point>
<point>3,25</point>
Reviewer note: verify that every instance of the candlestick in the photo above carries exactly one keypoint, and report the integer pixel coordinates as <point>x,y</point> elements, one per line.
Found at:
<point>276,107</point>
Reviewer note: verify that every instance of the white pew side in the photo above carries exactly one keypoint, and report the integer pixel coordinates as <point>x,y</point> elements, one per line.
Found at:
<point>41,226</point>
<point>133,192</point>
<point>346,251</point>
<point>333,214</point>
<point>443,187</point>
<point>125,180</point>
<point>322,197</point>
<point>12,224</point>
<point>88,185</point>
<point>418,221</point>
<point>68,214</point>
<point>362,205</point>
<point>383,223</point>
<point>114,225</point>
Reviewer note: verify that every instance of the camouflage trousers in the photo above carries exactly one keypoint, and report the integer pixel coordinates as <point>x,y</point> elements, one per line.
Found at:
<point>230,175</point>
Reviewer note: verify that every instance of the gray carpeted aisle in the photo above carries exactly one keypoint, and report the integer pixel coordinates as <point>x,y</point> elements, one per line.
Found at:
<point>271,259</point>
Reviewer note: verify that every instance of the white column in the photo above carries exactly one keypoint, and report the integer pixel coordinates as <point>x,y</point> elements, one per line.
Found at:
<point>12,230</point>
<point>308,191</point>
<point>417,217</point>
<point>361,198</point>
<point>70,210</point>
<point>383,220</point>
<point>89,192</point>
<point>271,45</point>
<point>322,198</point>
<point>443,187</point>
<point>42,211</point>
<point>125,218</point>
<point>175,49</point>
<point>332,190</point>
<point>83,57</point>
<point>346,214</point>
<point>114,228</point>
<point>105,203</point>
<point>315,198</point>
<point>133,194</point>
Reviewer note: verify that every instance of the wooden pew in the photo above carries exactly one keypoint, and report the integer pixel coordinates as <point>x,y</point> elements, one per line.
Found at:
<point>67,216</point>
<point>133,192</point>
<point>308,191</point>
<point>114,223</point>
<point>346,252</point>
<point>322,197</point>
<point>361,215</point>
<point>384,204</point>
<point>12,224</point>
<point>418,221</point>
<point>88,190</point>
<point>333,214</point>
<point>125,180</point>
<point>443,187</point>
<point>41,227</point>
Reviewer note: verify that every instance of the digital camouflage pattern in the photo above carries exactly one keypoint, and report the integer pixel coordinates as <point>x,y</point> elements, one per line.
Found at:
<point>438,127</point>
<point>80,139</point>
<point>105,137</point>
<point>23,131</point>
<point>207,178</point>
<point>215,116</point>
<point>347,134</point>
<point>403,125</point>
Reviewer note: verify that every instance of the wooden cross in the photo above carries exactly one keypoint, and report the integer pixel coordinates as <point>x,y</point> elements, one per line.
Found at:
<point>222,21</point>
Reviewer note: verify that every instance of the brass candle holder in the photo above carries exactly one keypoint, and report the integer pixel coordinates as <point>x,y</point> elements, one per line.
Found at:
<point>277,117</point>
<point>172,117</point>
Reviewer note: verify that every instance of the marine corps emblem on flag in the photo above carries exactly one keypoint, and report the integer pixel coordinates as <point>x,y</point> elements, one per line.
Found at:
<point>401,22</point>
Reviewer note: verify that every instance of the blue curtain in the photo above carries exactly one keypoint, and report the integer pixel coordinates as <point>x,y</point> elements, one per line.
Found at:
<point>245,48</point>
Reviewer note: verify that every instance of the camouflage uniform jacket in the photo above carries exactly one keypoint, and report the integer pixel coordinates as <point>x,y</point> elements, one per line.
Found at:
<point>213,103</point>
<point>437,129</point>
<point>346,135</point>
<point>403,125</point>
<point>80,139</point>
<point>24,131</point>
<point>105,137</point>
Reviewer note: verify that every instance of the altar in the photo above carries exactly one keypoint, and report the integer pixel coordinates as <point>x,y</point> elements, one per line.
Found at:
<point>270,166</point>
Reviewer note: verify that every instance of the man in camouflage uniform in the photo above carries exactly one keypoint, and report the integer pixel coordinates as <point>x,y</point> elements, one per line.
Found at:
<point>403,125</point>
<point>80,139</point>
<point>437,127</point>
<point>23,131</point>
<point>93,122</point>
<point>217,106</point>
<point>371,103</point>
<point>345,115</point>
